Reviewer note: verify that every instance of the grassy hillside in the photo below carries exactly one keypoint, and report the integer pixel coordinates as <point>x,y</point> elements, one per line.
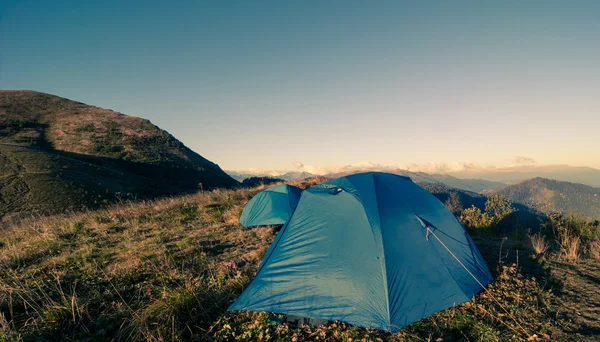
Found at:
<point>168,269</point>
<point>555,196</point>
<point>59,154</point>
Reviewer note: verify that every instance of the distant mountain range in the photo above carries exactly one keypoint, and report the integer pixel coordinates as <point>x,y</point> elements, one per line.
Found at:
<point>292,175</point>
<point>474,185</point>
<point>533,195</point>
<point>498,176</point>
<point>510,175</point>
<point>487,177</point>
<point>537,194</point>
<point>58,155</point>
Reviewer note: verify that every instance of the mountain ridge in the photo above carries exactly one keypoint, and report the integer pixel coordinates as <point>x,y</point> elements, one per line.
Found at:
<point>510,175</point>
<point>549,195</point>
<point>473,185</point>
<point>506,175</point>
<point>59,155</point>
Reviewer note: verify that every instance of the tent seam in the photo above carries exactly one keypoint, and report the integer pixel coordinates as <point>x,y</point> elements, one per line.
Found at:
<point>382,261</point>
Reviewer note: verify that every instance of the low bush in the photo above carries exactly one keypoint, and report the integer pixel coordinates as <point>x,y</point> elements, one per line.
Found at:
<point>574,236</point>
<point>593,249</point>
<point>499,215</point>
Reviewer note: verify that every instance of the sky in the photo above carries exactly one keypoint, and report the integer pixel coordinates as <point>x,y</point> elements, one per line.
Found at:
<point>308,84</point>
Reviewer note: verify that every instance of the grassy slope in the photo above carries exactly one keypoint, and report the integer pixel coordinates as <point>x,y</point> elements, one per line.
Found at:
<point>550,195</point>
<point>50,144</point>
<point>23,172</point>
<point>168,269</point>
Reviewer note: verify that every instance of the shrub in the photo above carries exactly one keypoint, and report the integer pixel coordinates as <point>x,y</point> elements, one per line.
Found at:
<point>587,230</point>
<point>499,214</point>
<point>88,127</point>
<point>454,203</point>
<point>474,218</point>
<point>498,206</point>
<point>594,249</point>
<point>12,126</point>
<point>573,233</point>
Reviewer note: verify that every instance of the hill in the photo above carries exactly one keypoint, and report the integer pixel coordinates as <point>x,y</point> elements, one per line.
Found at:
<point>257,181</point>
<point>548,196</point>
<point>442,192</point>
<point>469,184</point>
<point>57,155</point>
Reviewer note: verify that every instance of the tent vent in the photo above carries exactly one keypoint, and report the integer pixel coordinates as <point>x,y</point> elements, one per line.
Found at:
<point>335,191</point>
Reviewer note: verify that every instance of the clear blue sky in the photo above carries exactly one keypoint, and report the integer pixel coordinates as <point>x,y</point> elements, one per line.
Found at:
<point>254,84</point>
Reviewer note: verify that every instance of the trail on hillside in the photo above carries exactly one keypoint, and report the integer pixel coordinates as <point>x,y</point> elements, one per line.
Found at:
<point>580,297</point>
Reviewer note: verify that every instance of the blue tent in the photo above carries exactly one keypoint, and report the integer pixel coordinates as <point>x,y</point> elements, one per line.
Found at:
<point>370,249</point>
<point>271,206</point>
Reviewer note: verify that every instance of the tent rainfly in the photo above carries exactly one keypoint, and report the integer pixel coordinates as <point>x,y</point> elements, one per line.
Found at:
<point>272,206</point>
<point>373,250</point>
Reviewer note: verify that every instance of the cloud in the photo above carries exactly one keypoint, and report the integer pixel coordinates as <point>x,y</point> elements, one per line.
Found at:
<point>429,167</point>
<point>301,167</point>
<point>520,160</point>
<point>259,172</point>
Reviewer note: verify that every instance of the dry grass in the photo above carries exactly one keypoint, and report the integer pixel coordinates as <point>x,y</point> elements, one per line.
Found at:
<point>168,269</point>
<point>569,245</point>
<point>6,331</point>
<point>138,268</point>
<point>539,244</point>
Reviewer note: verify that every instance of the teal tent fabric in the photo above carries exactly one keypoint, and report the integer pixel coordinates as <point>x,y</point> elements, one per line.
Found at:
<point>271,206</point>
<point>360,249</point>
